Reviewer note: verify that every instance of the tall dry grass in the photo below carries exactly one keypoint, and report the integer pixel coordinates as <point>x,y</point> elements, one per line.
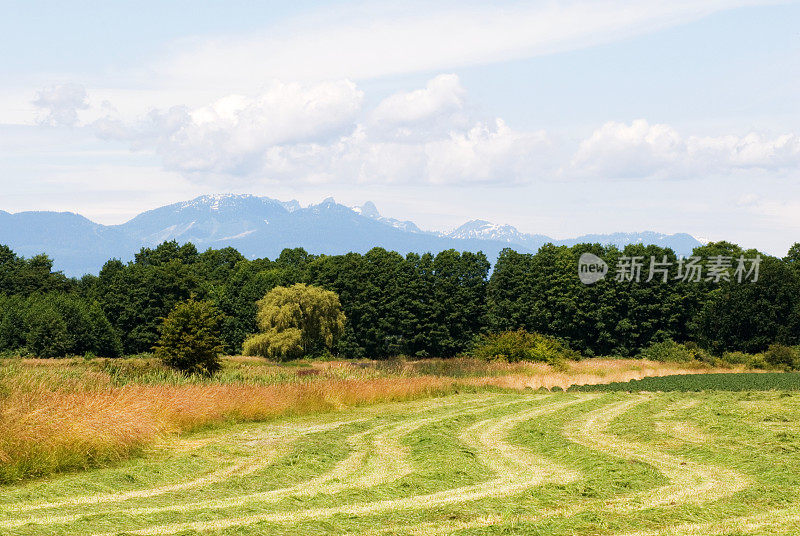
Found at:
<point>590,372</point>
<point>45,430</point>
<point>63,415</point>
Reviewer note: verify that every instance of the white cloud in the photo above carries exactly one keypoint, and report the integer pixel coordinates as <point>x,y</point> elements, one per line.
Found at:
<point>234,134</point>
<point>617,150</point>
<point>442,94</point>
<point>488,153</point>
<point>426,114</point>
<point>368,41</point>
<point>320,133</point>
<point>751,151</point>
<point>641,150</point>
<point>60,104</point>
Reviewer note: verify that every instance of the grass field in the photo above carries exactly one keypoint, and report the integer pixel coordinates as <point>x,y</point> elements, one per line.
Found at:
<point>677,463</point>
<point>68,414</point>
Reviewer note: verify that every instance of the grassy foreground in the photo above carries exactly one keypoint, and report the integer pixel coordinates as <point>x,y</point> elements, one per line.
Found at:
<point>712,463</point>
<point>59,415</point>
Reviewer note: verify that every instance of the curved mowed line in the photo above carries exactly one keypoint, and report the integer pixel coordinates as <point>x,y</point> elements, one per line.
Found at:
<point>378,457</point>
<point>689,481</point>
<point>359,469</point>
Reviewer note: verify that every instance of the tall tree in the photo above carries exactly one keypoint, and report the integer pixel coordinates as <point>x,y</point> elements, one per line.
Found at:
<point>296,321</point>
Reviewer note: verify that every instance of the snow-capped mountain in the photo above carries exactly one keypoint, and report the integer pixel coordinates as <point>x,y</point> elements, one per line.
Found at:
<point>263,227</point>
<point>369,210</point>
<point>484,230</point>
<point>209,218</point>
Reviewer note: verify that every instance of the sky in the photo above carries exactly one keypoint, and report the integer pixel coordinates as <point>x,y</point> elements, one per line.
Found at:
<point>560,118</point>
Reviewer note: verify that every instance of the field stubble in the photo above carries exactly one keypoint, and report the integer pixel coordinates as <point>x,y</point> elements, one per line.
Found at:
<point>479,463</point>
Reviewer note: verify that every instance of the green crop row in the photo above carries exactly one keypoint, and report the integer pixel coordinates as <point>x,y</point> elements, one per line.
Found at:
<point>769,381</point>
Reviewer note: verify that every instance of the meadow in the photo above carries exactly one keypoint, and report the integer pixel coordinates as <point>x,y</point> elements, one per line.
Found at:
<point>489,462</point>
<point>68,414</point>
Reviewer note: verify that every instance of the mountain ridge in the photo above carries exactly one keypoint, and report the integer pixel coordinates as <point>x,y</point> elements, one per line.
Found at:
<point>263,227</point>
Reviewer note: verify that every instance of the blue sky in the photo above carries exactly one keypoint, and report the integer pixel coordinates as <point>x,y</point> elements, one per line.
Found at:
<point>559,118</point>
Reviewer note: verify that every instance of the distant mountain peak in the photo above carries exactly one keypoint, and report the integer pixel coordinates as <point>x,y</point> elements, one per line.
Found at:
<point>485,230</point>
<point>215,201</point>
<point>291,206</point>
<point>369,210</point>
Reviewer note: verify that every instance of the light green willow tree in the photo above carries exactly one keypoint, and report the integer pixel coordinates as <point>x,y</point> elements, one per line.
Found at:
<point>296,321</point>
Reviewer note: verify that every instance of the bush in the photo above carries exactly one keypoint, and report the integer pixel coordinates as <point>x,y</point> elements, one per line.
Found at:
<point>520,345</point>
<point>757,361</point>
<point>782,357</point>
<point>190,340</point>
<point>669,351</point>
<point>56,325</point>
<point>751,361</point>
<point>736,358</point>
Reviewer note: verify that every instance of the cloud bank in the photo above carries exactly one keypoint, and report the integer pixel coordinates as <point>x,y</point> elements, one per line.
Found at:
<point>322,133</point>
<point>640,150</point>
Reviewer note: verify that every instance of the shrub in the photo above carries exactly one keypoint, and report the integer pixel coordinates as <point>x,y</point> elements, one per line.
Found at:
<point>757,361</point>
<point>736,358</point>
<point>783,357</point>
<point>190,340</point>
<point>669,351</point>
<point>296,321</point>
<point>520,345</point>
<point>752,361</point>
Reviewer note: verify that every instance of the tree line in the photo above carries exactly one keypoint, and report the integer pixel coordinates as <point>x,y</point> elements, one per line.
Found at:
<point>416,305</point>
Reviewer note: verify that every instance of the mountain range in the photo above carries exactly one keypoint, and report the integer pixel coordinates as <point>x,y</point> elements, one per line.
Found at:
<point>262,227</point>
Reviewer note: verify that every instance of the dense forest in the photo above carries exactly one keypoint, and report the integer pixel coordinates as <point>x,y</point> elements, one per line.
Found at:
<point>417,305</point>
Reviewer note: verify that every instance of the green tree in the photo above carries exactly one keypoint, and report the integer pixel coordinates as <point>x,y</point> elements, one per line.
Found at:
<point>344,274</point>
<point>190,340</point>
<point>237,296</point>
<point>296,321</point>
<point>105,341</point>
<point>459,298</point>
<point>135,296</point>
<point>749,316</point>
<point>46,331</point>
<point>793,256</point>
<point>13,329</point>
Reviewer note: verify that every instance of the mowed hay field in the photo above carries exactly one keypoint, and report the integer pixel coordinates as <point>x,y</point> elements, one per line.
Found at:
<point>62,415</point>
<point>574,463</point>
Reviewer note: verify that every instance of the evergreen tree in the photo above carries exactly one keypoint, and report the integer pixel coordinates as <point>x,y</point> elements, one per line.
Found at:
<point>189,339</point>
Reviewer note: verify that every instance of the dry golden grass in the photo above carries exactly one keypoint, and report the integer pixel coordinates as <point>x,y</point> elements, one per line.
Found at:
<point>59,415</point>
<point>47,430</point>
<point>591,372</point>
